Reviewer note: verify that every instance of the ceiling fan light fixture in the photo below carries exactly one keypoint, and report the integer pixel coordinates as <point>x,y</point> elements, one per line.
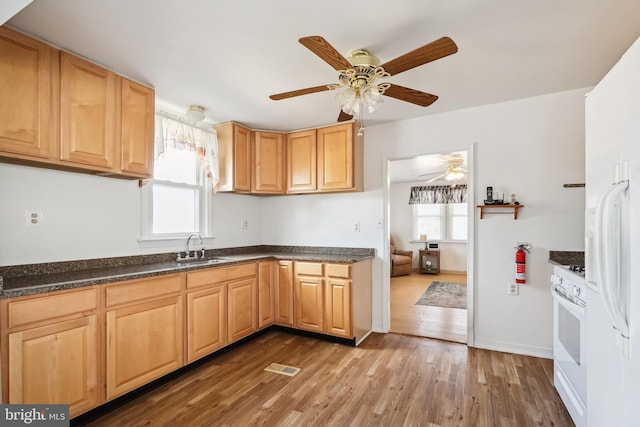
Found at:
<point>454,176</point>
<point>195,113</point>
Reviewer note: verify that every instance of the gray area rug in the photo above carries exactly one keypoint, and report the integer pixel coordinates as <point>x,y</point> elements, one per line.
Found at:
<point>445,294</point>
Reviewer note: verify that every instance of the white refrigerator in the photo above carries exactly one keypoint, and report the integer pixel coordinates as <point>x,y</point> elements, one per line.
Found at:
<point>612,245</point>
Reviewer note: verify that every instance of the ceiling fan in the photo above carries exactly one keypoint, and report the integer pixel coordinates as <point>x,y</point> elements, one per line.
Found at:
<point>455,171</point>
<point>358,74</point>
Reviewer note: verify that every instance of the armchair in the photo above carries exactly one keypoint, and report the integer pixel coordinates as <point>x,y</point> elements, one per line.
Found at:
<point>401,261</point>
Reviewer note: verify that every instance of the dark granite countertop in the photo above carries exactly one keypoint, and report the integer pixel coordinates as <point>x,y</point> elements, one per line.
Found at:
<point>31,279</point>
<point>566,257</point>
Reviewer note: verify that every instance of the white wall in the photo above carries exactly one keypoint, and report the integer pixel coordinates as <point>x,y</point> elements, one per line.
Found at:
<point>530,146</point>
<point>453,256</point>
<point>87,216</point>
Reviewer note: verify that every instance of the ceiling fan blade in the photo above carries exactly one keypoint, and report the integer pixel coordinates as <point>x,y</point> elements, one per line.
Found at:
<point>433,173</point>
<point>413,96</point>
<point>326,52</point>
<point>343,117</point>
<point>299,92</point>
<point>422,55</point>
<point>437,178</point>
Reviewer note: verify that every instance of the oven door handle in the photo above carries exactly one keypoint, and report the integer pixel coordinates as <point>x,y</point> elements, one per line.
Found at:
<point>567,303</point>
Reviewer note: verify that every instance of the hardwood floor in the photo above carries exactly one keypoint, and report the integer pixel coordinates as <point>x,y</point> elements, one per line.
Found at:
<point>422,320</point>
<point>389,380</point>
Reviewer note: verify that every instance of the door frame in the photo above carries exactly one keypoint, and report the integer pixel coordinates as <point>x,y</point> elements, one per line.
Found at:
<point>472,236</point>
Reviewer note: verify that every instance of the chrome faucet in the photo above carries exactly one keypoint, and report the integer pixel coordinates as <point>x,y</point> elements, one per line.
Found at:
<point>187,252</point>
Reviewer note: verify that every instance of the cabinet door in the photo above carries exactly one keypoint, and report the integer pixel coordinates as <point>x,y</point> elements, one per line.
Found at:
<point>301,161</point>
<point>266,277</point>
<point>137,129</point>
<point>206,321</point>
<point>335,158</point>
<point>338,307</point>
<point>284,293</point>
<point>268,163</point>
<point>144,342</point>
<point>25,85</point>
<point>89,113</point>
<point>241,304</point>
<point>309,305</point>
<point>241,158</point>
<point>56,363</point>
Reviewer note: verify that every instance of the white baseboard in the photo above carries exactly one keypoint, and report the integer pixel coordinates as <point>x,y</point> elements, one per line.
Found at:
<point>545,353</point>
<point>453,272</point>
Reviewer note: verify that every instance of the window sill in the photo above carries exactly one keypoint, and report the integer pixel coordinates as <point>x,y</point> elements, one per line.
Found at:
<point>442,242</point>
<point>159,242</point>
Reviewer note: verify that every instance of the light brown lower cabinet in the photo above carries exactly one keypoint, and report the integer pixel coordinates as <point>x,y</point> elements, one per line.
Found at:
<point>70,374</point>
<point>309,303</point>
<point>144,338</point>
<point>338,307</point>
<point>52,350</point>
<point>206,321</point>
<point>284,293</point>
<point>241,306</point>
<point>86,346</point>
<point>266,293</point>
<point>324,298</point>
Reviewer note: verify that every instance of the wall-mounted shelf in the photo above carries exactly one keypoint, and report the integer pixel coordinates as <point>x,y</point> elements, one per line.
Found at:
<point>500,209</point>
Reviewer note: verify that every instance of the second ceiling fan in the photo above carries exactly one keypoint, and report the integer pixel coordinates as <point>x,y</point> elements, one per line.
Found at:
<point>359,74</point>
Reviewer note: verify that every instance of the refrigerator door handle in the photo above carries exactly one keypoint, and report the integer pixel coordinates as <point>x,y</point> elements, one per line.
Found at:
<point>608,234</point>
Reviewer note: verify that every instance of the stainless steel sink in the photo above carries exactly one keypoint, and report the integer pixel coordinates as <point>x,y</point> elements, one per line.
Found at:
<point>200,261</point>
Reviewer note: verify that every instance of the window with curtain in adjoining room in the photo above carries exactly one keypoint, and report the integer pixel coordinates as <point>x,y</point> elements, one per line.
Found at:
<point>177,201</point>
<point>440,212</point>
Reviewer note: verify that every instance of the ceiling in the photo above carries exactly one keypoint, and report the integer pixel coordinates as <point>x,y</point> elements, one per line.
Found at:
<point>230,56</point>
<point>414,169</point>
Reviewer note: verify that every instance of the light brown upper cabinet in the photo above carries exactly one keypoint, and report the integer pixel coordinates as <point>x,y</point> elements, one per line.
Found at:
<point>301,161</point>
<point>25,105</point>
<point>234,152</point>
<point>328,159</point>
<point>268,163</point>
<point>89,112</point>
<point>340,159</point>
<point>61,111</point>
<point>138,104</point>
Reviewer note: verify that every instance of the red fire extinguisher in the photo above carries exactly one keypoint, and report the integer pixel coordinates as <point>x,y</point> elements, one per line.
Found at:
<point>521,260</point>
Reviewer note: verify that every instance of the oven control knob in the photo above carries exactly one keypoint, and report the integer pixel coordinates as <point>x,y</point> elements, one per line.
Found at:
<point>576,291</point>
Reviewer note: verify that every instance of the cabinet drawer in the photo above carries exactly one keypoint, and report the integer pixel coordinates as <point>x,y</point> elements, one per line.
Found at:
<point>143,289</point>
<point>221,274</point>
<point>308,268</point>
<point>50,306</point>
<point>342,271</point>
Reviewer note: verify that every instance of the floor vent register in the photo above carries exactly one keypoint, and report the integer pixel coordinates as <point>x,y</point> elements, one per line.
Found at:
<point>282,369</point>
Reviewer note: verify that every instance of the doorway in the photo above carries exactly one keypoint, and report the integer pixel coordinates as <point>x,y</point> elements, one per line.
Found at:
<point>431,318</point>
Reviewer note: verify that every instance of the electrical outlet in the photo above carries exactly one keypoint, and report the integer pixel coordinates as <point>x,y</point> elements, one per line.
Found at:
<point>245,224</point>
<point>512,288</point>
<point>356,227</point>
<point>33,217</point>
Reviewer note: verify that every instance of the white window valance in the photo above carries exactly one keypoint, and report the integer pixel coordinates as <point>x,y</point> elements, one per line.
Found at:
<point>438,194</point>
<point>172,131</point>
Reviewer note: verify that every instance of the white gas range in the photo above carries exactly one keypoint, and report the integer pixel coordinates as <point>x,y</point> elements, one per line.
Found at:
<point>568,288</point>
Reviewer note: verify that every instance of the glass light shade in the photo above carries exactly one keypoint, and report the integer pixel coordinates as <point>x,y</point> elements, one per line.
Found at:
<point>350,101</point>
<point>195,113</point>
<point>454,176</point>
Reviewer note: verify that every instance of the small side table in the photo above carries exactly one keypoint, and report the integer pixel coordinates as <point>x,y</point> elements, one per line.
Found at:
<point>429,262</point>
